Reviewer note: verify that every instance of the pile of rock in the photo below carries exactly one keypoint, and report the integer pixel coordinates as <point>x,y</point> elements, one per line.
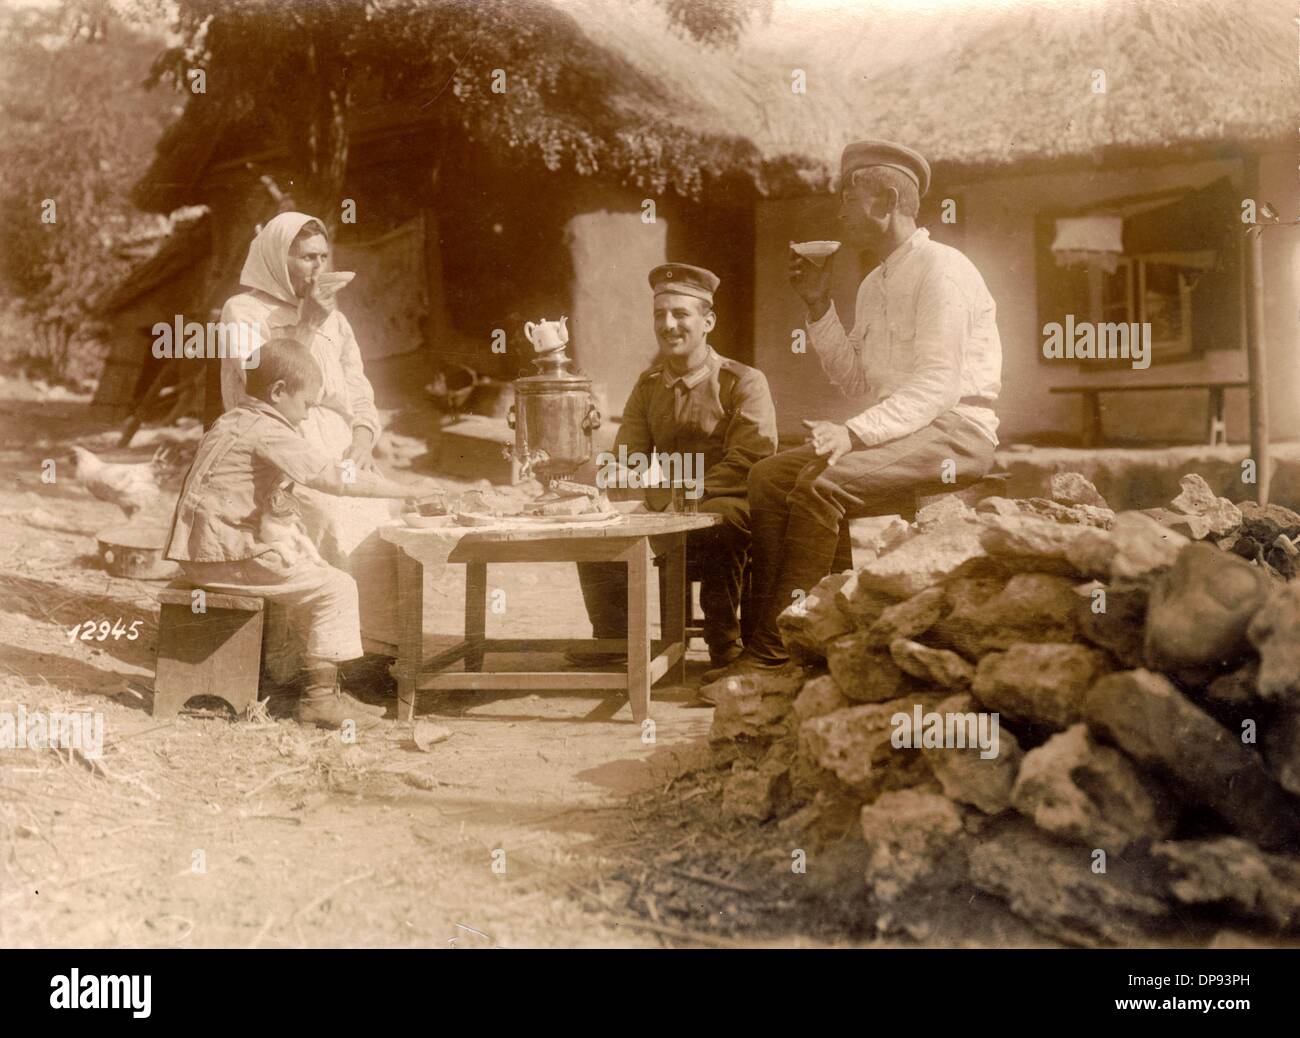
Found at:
<point>1145,679</point>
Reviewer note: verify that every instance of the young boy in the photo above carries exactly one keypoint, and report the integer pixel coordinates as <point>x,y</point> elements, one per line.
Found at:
<point>246,454</point>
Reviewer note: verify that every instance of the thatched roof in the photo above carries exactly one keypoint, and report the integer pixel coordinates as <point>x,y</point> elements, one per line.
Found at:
<point>1177,73</point>
<point>989,84</point>
<point>626,96</point>
<point>570,103</point>
<point>172,254</point>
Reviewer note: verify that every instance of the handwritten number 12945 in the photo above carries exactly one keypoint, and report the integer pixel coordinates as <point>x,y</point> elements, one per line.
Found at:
<point>90,631</point>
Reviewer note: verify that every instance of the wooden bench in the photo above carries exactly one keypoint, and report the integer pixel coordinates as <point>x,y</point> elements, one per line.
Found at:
<point>216,651</point>
<point>1216,425</point>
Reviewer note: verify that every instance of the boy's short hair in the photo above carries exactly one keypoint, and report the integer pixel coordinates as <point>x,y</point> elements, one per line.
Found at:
<point>283,360</point>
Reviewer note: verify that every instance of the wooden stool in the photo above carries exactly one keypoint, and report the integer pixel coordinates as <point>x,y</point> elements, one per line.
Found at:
<point>216,652</point>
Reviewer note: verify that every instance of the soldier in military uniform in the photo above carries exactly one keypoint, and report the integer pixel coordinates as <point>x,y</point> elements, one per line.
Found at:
<point>692,401</point>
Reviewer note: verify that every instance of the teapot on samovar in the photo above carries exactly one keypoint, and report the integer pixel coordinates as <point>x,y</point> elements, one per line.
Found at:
<point>554,414</point>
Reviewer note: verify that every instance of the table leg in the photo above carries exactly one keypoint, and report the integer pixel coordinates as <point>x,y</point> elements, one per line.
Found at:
<point>638,629</point>
<point>672,604</point>
<point>410,639</point>
<point>475,612</point>
<point>1218,424</point>
<point>1092,434</point>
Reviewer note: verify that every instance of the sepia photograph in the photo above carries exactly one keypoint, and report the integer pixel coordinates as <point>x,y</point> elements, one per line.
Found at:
<point>775,475</point>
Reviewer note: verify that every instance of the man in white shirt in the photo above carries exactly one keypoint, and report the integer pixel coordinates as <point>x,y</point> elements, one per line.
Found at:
<point>924,344</point>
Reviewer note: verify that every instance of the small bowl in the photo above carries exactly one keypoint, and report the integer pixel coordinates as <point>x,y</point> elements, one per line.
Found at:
<point>136,552</point>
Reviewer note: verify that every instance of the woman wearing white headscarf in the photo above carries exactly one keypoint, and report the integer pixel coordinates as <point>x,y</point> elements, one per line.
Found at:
<point>281,298</point>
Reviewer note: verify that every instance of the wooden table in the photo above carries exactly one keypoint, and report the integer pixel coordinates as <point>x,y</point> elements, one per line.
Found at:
<point>639,538</point>
<point>1216,426</point>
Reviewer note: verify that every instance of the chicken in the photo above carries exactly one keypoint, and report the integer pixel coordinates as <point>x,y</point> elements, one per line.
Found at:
<point>130,487</point>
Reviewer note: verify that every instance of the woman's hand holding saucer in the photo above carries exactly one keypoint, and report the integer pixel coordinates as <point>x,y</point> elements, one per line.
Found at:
<point>320,301</point>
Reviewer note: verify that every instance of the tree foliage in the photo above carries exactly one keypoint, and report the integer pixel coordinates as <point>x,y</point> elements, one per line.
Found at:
<point>295,68</point>
<point>73,137</point>
<point>715,21</point>
<point>75,129</point>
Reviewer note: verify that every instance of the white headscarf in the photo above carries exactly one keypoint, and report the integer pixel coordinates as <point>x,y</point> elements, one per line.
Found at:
<point>267,267</point>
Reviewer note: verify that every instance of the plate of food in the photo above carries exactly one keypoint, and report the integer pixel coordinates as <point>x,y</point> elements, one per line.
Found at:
<point>816,252</point>
<point>429,506</point>
<point>564,505</point>
<point>425,512</point>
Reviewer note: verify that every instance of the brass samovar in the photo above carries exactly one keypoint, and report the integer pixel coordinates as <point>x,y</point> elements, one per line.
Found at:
<point>554,414</point>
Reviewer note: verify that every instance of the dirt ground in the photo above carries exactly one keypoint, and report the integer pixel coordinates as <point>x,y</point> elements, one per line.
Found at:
<point>545,820</point>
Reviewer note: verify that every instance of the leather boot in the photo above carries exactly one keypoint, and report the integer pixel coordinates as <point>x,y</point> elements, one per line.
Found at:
<point>323,704</point>
<point>724,655</point>
<point>741,665</point>
<point>353,703</point>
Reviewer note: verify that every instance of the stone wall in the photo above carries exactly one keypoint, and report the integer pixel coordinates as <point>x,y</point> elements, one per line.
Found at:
<point>1091,717</point>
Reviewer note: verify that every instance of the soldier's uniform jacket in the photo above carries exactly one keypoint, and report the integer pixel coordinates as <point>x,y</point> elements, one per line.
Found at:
<point>722,410</point>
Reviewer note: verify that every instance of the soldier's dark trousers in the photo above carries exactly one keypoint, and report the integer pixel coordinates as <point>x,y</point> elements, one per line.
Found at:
<point>715,555</point>
<point>798,503</point>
